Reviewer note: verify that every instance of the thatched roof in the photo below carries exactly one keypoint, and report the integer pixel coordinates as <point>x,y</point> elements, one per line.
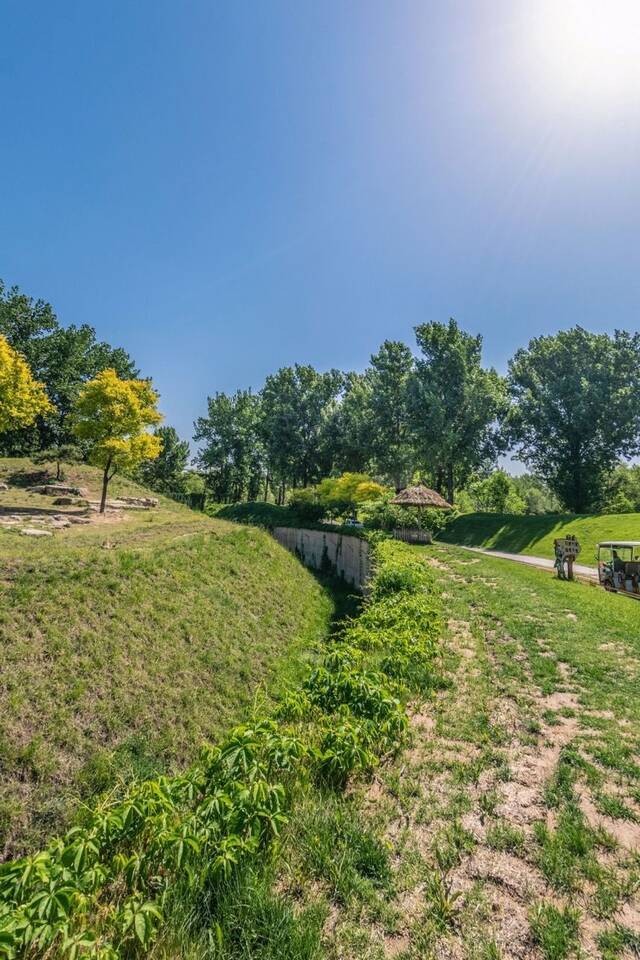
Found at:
<point>420,496</point>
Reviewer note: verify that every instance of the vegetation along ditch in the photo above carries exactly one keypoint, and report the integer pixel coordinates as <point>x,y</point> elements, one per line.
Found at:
<point>164,868</point>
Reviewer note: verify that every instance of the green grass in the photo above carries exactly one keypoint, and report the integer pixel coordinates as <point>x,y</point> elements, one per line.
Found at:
<point>534,536</point>
<point>124,645</point>
<point>555,931</point>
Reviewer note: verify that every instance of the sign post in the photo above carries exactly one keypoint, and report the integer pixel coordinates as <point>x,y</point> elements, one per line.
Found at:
<point>566,550</point>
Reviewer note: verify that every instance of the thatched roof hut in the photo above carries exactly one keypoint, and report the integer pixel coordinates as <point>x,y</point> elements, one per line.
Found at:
<point>420,496</point>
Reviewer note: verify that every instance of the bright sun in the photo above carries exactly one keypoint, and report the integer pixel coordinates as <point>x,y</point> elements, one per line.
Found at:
<point>589,48</point>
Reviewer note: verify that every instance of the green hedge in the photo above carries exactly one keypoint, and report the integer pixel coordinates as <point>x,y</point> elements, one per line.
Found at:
<point>270,515</point>
<point>107,888</point>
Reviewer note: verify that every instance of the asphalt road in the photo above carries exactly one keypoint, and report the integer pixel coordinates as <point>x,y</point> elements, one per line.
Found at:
<point>543,563</point>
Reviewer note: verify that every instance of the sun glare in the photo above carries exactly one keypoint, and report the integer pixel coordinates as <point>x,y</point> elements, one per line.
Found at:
<point>589,48</point>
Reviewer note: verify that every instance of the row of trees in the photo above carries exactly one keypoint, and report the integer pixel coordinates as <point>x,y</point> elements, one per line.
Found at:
<point>438,414</point>
<point>569,408</point>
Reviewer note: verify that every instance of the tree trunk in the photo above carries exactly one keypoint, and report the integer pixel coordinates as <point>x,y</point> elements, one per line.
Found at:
<point>105,484</point>
<point>439,480</point>
<point>450,483</point>
<point>58,474</point>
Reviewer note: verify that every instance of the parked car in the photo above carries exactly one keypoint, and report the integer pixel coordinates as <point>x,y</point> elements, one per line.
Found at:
<point>351,522</point>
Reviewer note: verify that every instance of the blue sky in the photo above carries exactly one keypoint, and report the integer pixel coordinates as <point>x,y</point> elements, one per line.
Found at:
<point>225,188</point>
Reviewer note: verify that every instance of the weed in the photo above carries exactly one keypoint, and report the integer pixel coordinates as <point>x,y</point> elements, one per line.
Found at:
<point>555,931</point>
<point>617,940</point>
<point>612,806</point>
<point>506,838</point>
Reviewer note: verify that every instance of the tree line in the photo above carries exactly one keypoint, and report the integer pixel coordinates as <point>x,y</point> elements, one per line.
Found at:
<point>568,407</point>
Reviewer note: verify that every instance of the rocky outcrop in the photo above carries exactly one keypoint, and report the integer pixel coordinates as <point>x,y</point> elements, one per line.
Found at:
<point>145,502</point>
<point>126,503</point>
<point>59,489</point>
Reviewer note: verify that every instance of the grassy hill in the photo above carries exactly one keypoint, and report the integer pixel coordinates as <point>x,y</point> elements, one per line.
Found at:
<point>535,535</point>
<point>124,643</point>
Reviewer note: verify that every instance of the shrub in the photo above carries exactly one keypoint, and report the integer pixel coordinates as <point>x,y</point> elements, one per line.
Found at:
<point>304,503</point>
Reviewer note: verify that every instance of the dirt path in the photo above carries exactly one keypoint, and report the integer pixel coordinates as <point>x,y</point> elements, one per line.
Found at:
<point>513,818</point>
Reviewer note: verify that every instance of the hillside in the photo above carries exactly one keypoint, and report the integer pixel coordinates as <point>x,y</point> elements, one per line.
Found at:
<point>535,535</point>
<point>126,641</point>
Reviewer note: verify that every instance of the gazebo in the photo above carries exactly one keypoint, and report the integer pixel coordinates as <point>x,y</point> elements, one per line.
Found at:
<point>419,497</point>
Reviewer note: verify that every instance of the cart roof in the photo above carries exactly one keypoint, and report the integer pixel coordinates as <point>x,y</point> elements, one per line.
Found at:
<point>620,543</point>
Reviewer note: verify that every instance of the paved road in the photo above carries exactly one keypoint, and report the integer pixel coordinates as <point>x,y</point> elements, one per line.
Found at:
<point>543,563</point>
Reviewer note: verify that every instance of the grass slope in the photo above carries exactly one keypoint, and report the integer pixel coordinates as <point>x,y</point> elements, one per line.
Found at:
<point>512,825</point>
<point>535,535</point>
<point>124,645</point>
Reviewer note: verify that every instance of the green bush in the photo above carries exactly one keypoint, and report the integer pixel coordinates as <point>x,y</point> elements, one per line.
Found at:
<point>304,504</point>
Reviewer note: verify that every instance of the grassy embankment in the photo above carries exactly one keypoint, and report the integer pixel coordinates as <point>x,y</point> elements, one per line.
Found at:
<point>535,535</point>
<point>189,865</point>
<point>123,645</point>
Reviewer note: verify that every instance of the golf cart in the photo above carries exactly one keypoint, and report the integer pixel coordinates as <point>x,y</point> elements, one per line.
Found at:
<point>619,566</point>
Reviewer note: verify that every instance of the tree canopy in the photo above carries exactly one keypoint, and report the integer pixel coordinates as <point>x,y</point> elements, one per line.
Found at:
<point>456,405</point>
<point>167,473</point>
<point>232,456</point>
<point>62,358</point>
<point>113,415</point>
<point>576,410</point>
<point>22,397</point>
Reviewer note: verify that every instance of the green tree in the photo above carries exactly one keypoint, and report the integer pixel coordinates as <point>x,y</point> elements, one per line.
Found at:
<point>343,495</point>
<point>232,455</point>
<point>62,358</point>
<point>113,415</point>
<point>455,405</point>
<point>496,493</point>
<point>576,410</point>
<point>352,429</point>
<point>388,412</point>
<point>166,473</point>
<point>298,418</point>
<point>621,493</point>
<point>536,495</point>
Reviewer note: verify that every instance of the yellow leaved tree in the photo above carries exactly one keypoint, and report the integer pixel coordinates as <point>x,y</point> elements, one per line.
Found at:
<point>113,414</point>
<point>22,397</point>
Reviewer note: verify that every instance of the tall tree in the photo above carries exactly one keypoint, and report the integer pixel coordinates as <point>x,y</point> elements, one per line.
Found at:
<point>576,409</point>
<point>62,358</point>
<point>388,412</point>
<point>113,415</point>
<point>232,455</point>
<point>166,473</point>
<point>298,406</point>
<point>455,404</point>
<point>351,430</point>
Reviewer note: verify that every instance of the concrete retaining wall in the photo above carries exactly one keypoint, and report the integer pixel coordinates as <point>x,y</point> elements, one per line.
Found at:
<point>348,557</point>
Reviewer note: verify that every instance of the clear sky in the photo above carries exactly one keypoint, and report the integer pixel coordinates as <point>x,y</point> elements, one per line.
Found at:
<point>224,188</point>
